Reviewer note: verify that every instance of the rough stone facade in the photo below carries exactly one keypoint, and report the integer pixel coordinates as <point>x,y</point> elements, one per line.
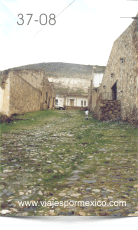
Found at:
<point>107,110</point>
<point>94,90</point>
<point>120,81</point>
<point>76,108</point>
<point>23,96</point>
<point>37,78</point>
<point>25,91</point>
<point>93,96</point>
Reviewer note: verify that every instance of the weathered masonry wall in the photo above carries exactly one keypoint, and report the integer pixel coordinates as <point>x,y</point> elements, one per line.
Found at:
<point>23,91</point>
<point>94,90</point>
<point>37,78</point>
<point>76,108</point>
<point>95,94</point>
<point>107,110</point>
<point>120,81</point>
<point>23,96</point>
<point>51,95</point>
<point>34,77</point>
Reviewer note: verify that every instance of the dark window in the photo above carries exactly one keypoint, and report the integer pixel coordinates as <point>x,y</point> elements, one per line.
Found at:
<point>122,60</point>
<point>114,92</point>
<point>56,102</point>
<point>46,96</point>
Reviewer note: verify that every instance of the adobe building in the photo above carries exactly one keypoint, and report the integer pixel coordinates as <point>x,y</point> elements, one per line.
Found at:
<point>120,81</point>
<point>25,91</point>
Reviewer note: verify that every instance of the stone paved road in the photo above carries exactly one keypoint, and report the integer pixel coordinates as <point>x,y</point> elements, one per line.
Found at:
<point>67,159</point>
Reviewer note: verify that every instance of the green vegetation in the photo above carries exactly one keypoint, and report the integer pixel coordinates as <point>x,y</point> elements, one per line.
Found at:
<point>58,155</point>
<point>28,120</point>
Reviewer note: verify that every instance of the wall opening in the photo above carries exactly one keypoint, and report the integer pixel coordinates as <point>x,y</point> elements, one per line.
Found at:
<point>114,91</point>
<point>71,102</point>
<point>46,96</point>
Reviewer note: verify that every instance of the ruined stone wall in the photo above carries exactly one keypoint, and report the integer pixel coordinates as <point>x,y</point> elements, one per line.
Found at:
<point>125,74</point>
<point>23,96</point>
<point>76,108</point>
<point>33,76</point>
<point>25,91</point>
<point>38,79</point>
<point>95,95</point>
<point>52,96</point>
<point>48,95</point>
<point>107,110</point>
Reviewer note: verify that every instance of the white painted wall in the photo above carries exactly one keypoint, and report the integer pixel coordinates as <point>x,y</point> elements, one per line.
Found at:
<point>5,98</point>
<point>71,83</point>
<point>97,79</point>
<point>1,98</point>
<point>77,101</point>
<point>60,100</point>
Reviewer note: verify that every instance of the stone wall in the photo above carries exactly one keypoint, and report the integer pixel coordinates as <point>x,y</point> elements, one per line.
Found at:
<point>76,108</point>
<point>51,95</point>
<point>25,91</point>
<point>48,94</point>
<point>123,74</point>
<point>23,96</point>
<point>107,110</point>
<point>94,94</point>
<point>38,79</point>
<point>120,81</point>
<point>33,76</point>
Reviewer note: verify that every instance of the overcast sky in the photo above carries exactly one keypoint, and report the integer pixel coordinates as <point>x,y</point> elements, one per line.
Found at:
<point>84,33</point>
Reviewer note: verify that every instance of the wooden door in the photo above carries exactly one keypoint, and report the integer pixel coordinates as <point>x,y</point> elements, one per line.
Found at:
<point>71,102</point>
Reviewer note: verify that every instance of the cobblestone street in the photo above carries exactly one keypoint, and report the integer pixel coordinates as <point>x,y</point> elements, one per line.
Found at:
<point>59,158</point>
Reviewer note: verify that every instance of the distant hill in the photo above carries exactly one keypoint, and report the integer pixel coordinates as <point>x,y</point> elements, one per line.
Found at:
<point>64,69</point>
<point>67,77</point>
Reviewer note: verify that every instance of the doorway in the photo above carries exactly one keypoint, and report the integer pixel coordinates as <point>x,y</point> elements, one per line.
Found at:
<point>71,102</point>
<point>114,91</point>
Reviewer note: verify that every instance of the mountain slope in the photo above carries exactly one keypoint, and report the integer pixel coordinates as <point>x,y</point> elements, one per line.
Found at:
<point>67,77</point>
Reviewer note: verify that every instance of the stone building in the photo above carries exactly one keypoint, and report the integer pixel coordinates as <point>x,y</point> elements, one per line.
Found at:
<point>120,81</point>
<point>25,91</point>
<point>94,90</point>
